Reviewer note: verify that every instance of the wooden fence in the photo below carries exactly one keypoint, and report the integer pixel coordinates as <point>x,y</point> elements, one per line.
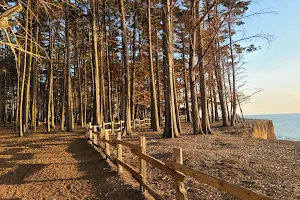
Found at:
<point>174,168</point>
<point>118,126</point>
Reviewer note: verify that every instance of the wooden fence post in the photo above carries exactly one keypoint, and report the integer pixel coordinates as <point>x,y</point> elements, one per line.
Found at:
<point>95,130</point>
<point>106,137</point>
<point>119,153</point>
<point>90,130</point>
<point>112,126</point>
<point>181,193</point>
<point>143,169</point>
<point>101,136</point>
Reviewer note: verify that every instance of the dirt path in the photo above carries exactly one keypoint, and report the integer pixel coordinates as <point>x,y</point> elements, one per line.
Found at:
<point>57,166</point>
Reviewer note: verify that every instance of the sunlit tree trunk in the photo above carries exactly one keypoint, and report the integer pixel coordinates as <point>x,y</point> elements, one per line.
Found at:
<point>194,101</point>
<point>157,77</point>
<point>34,117</point>
<point>233,116</point>
<point>50,80</point>
<point>69,110</point>
<point>127,129</point>
<point>203,95</point>
<point>170,130</point>
<point>21,129</point>
<point>154,111</point>
<point>221,90</point>
<point>186,85</point>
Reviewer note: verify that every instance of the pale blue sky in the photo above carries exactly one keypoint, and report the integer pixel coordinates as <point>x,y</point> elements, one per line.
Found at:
<point>276,67</point>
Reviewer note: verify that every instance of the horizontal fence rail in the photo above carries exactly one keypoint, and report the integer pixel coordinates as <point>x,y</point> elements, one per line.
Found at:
<point>174,168</point>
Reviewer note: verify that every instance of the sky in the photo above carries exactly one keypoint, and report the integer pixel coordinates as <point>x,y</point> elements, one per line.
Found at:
<point>276,67</point>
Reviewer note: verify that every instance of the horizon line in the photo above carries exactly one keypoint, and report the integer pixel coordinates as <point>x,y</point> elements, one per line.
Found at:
<point>274,113</point>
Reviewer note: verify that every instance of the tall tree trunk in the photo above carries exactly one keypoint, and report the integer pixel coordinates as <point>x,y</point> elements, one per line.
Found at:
<point>50,80</point>
<point>109,89</point>
<point>69,110</point>
<point>127,129</point>
<point>24,70</point>
<point>194,101</point>
<point>170,130</point>
<point>233,116</point>
<point>221,92</point>
<point>97,104</point>
<point>157,77</point>
<point>63,98</point>
<point>154,111</point>
<point>34,117</point>
<point>103,110</point>
<point>28,75</point>
<point>186,91</point>
<point>205,119</point>
<point>77,55</point>
<point>132,89</point>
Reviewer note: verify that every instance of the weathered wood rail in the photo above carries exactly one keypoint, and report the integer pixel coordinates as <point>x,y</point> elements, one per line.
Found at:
<point>118,126</point>
<point>175,168</point>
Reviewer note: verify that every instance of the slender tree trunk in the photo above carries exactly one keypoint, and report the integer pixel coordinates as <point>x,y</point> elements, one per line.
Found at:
<point>233,116</point>
<point>69,110</point>
<point>50,80</point>
<point>205,119</point>
<point>194,101</point>
<point>103,110</point>
<point>28,75</point>
<point>171,129</point>
<point>154,111</point>
<point>97,104</point>
<point>127,129</point>
<point>63,98</point>
<point>24,71</point>
<point>80,121</point>
<point>135,24</point>
<point>186,91</point>
<point>176,102</point>
<point>109,89</point>
<point>34,117</point>
<point>221,92</point>
<point>157,77</point>
<point>85,91</point>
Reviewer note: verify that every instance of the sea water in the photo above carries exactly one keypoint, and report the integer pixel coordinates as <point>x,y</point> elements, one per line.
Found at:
<point>287,126</point>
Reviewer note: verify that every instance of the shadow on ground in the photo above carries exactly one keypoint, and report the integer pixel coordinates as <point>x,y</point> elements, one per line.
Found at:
<point>105,180</point>
<point>57,165</point>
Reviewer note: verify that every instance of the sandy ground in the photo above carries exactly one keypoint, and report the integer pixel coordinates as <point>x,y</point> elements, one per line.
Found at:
<point>57,166</point>
<point>64,166</point>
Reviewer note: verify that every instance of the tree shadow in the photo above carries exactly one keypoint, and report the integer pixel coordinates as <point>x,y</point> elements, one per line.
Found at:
<point>19,175</point>
<point>106,182</point>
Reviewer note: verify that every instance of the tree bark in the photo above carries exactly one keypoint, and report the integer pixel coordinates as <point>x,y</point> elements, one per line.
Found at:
<point>157,77</point>
<point>233,116</point>
<point>69,111</point>
<point>170,130</point>
<point>96,107</point>
<point>50,80</point>
<point>127,129</point>
<point>185,73</point>
<point>154,111</point>
<point>194,101</point>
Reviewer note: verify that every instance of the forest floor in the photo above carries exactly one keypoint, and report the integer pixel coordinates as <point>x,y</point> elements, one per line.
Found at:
<point>64,166</point>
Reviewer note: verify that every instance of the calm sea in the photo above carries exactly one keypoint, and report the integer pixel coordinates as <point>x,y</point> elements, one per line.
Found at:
<point>287,126</point>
